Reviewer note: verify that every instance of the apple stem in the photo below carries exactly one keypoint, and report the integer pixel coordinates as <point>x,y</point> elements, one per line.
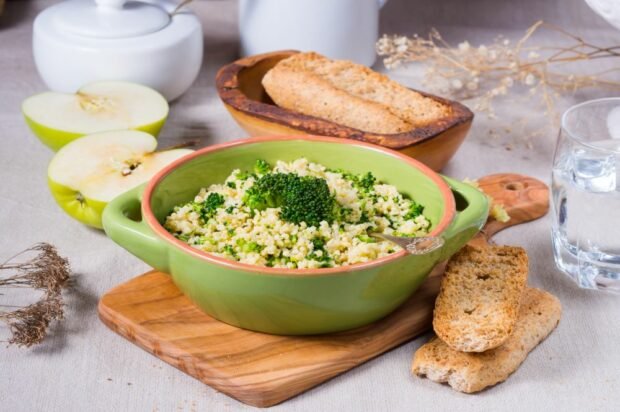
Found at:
<point>80,198</point>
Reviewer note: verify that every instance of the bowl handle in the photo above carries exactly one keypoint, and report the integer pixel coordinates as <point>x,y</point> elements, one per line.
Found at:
<point>472,211</point>
<point>134,235</point>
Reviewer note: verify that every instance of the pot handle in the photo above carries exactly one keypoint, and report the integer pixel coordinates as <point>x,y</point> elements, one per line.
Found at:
<point>134,235</point>
<point>472,211</point>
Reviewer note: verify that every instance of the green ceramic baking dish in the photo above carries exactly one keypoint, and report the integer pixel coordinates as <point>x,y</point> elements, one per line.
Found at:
<point>292,301</point>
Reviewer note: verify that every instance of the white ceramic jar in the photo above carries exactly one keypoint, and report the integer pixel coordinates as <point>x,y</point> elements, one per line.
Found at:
<point>607,9</point>
<point>77,42</point>
<point>339,29</point>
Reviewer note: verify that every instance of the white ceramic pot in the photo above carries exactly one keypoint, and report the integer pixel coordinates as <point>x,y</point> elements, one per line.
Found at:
<point>607,9</point>
<point>77,42</point>
<point>340,29</point>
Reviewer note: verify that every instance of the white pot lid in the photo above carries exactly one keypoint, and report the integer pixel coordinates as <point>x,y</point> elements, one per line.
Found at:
<point>109,19</point>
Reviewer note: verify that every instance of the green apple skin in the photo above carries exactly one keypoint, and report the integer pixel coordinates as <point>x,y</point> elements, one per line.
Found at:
<point>55,139</point>
<point>85,210</point>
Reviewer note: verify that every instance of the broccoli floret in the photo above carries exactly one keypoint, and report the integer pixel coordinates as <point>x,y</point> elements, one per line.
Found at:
<point>271,259</point>
<point>364,182</point>
<point>261,167</point>
<point>415,210</point>
<point>367,182</point>
<point>213,201</point>
<point>344,213</point>
<point>229,250</point>
<point>248,247</point>
<point>318,244</point>
<point>366,239</point>
<point>244,175</point>
<point>253,247</point>
<point>301,198</point>
<point>345,174</point>
<point>263,194</point>
<point>324,259</point>
<point>231,184</point>
<point>208,208</point>
<point>183,237</point>
<point>364,218</point>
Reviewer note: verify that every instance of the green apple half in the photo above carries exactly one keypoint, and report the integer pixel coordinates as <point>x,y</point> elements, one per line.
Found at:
<point>89,172</point>
<point>58,118</point>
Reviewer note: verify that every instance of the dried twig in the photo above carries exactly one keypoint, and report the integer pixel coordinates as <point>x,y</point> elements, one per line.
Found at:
<point>489,72</point>
<point>29,324</point>
<point>47,272</point>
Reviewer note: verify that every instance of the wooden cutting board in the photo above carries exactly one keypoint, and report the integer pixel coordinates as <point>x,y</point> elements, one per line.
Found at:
<point>264,370</point>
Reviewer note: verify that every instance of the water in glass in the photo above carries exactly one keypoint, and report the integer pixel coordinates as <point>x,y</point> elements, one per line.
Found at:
<point>586,195</point>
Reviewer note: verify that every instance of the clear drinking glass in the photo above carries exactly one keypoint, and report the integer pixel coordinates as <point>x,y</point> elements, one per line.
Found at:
<point>586,195</point>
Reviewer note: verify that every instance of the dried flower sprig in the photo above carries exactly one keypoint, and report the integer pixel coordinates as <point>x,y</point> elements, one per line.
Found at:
<point>29,324</point>
<point>47,272</point>
<point>488,72</point>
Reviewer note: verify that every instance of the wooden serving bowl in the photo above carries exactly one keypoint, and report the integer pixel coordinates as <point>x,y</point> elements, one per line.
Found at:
<point>240,88</point>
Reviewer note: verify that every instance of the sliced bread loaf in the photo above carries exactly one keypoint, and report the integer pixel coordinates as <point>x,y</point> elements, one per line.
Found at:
<point>312,95</point>
<point>349,94</point>
<point>478,301</point>
<point>539,314</point>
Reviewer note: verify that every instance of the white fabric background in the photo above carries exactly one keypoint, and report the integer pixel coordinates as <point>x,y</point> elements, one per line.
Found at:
<point>85,367</point>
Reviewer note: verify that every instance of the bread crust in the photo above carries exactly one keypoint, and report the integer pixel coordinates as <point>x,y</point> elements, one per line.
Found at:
<point>539,314</point>
<point>478,301</point>
<point>349,94</point>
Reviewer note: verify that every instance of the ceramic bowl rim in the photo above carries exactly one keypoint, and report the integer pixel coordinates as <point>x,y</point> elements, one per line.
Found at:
<point>158,229</point>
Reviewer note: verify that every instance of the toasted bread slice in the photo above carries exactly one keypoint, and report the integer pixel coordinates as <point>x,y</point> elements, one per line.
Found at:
<point>349,94</point>
<point>472,372</point>
<point>312,95</point>
<point>478,301</point>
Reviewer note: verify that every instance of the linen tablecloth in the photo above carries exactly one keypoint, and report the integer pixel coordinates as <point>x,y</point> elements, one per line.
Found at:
<point>83,366</point>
